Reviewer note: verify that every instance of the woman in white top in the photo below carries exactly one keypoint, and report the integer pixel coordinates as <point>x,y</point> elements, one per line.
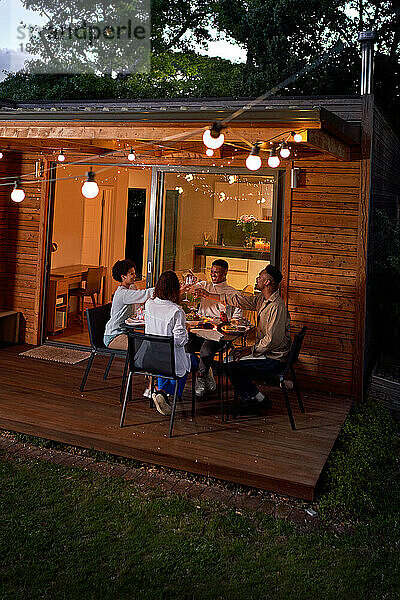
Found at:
<point>126,295</point>
<point>164,316</point>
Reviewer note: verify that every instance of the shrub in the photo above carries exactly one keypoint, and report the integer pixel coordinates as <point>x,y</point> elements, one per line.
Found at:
<point>359,471</point>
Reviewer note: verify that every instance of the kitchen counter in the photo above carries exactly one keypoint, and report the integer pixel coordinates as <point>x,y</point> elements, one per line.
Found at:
<point>201,251</point>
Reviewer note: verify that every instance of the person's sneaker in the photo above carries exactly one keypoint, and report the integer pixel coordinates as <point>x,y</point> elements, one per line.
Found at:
<point>253,407</point>
<point>147,393</point>
<point>160,400</point>
<point>200,387</point>
<point>211,386</point>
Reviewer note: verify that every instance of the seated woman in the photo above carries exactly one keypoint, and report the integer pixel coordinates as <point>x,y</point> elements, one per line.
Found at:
<point>164,316</point>
<point>125,296</point>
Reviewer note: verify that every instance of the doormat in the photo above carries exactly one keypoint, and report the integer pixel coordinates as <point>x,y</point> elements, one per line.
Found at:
<point>61,355</point>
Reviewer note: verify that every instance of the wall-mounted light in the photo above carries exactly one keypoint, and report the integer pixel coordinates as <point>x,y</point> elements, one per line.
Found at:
<point>18,194</point>
<point>212,137</point>
<point>253,161</point>
<point>90,189</point>
<point>294,177</point>
<point>1,155</point>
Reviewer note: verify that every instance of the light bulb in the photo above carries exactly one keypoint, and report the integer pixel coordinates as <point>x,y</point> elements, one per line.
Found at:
<point>273,161</point>
<point>1,155</point>
<point>253,163</point>
<point>18,194</point>
<point>131,155</point>
<point>284,151</point>
<point>212,137</point>
<point>297,137</point>
<point>210,152</point>
<point>61,157</point>
<point>90,189</point>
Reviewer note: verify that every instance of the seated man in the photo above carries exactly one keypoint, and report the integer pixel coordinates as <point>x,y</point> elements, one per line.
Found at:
<point>272,338</point>
<point>125,296</point>
<point>211,308</point>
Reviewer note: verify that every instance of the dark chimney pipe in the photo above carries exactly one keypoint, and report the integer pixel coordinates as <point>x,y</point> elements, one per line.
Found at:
<point>367,39</point>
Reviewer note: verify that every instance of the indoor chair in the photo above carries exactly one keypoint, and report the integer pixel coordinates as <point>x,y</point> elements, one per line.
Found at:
<point>93,286</point>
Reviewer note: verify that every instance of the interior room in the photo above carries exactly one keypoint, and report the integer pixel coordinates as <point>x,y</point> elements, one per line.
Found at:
<point>200,214</point>
<point>90,233</point>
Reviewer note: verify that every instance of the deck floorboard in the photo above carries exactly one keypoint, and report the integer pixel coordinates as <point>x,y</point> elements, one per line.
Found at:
<point>42,398</point>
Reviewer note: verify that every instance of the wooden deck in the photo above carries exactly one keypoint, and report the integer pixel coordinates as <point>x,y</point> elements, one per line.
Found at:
<point>42,398</point>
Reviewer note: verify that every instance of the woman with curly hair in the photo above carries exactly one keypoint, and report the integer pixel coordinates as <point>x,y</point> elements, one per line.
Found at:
<point>164,316</point>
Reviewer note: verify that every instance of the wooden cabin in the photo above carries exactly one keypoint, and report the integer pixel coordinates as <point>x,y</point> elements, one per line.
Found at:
<point>174,207</point>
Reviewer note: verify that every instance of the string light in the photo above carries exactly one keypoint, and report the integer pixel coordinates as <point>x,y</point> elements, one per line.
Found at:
<point>131,155</point>
<point>273,159</point>
<point>18,194</point>
<point>253,161</point>
<point>212,137</point>
<point>61,156</point>
<point>284,150</point>
<point>90,189</point>
<point>297,136</point>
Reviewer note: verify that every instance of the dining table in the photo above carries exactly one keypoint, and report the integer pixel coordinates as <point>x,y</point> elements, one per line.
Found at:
<point>217,331</point>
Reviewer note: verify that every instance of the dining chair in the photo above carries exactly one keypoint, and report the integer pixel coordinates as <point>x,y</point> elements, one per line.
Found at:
<point>154,356</point>
<point>279,378</point>
<point>97,319</point>
<point>93,287</point>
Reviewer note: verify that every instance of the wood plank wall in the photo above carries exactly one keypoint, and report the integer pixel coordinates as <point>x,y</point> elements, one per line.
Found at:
<point>320,260</point>
<point>384,196</point>
<point>21,242</point>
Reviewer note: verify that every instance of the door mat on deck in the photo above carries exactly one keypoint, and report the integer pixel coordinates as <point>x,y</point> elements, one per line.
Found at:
<point>61,355</point>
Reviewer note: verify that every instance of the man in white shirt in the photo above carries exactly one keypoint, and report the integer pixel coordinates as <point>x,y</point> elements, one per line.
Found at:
<point>212,309</point>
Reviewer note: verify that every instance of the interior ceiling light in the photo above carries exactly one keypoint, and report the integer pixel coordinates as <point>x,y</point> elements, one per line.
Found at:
<point>61,156</point>
<point>90,189</point>
<point>253,161</point>
<point>273,159</point>
<point>131,155</point>
<point>212,137</point>
<point>18,194</point>
<point>284,150</point>
<point>297,136</point>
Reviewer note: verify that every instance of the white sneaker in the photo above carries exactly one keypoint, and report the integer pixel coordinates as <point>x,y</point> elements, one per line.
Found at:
<point>211,386</point>
<point>200,387</point>
<point>161,403</point>
<point>147,393</point>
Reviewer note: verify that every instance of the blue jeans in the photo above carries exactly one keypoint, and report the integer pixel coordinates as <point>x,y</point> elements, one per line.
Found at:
<point>241,373</point>
<point>168,386</point>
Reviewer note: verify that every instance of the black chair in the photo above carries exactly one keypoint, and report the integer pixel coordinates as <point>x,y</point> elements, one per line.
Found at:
<point>152,355</point>
<point>287,368</point>
<point>97,319</point>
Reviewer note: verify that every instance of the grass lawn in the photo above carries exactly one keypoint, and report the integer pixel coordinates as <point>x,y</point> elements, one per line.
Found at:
<point>69,533</point>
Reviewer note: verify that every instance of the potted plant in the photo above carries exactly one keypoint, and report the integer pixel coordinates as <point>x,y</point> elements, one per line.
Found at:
<point>248,224</point>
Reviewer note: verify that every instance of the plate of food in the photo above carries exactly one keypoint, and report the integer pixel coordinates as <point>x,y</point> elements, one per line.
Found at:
<point>232,328</point>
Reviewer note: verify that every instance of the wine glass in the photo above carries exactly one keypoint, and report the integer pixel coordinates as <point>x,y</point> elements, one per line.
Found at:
<point>188,280</point>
